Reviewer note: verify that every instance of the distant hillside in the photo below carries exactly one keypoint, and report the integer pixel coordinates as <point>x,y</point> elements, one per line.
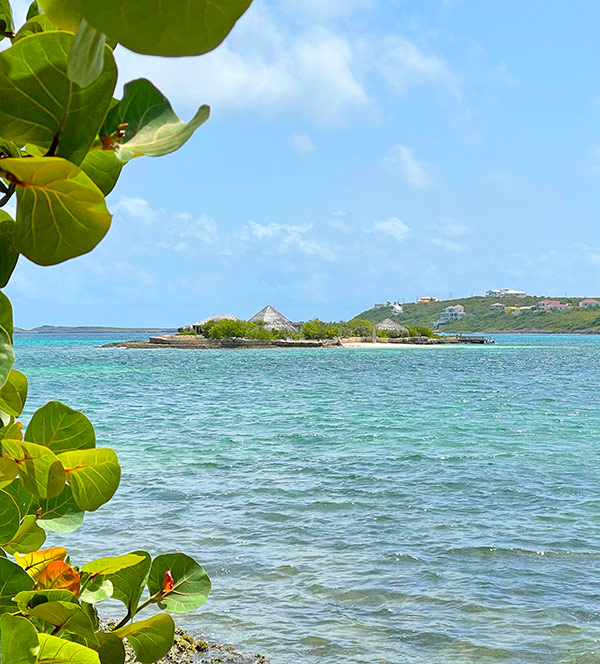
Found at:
<point>479,317</point>
<point>91,329</point>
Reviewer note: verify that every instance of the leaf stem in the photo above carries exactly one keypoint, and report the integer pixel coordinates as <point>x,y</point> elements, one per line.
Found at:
<point>8,195</point>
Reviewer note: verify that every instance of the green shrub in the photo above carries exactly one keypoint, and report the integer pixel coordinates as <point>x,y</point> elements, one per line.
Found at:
<point>64,140</point>
<point>187,333</point>
<point>421,331</point>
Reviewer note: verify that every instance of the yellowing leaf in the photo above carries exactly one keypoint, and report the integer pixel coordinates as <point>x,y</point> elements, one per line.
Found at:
<point>58,575</point>
<point>60,214</point>
<point>39,468</point>
<point>58,651</point>
<point>34,563</point>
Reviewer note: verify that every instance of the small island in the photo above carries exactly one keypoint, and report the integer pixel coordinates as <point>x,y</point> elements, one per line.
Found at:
<point>271,329</point>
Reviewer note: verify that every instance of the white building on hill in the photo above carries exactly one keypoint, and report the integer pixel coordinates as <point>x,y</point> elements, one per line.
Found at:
<point>454,312</point>
<point>506,292</point>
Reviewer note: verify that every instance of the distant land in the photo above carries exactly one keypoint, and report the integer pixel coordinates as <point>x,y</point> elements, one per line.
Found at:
<point>478,317</point>
<point>93,329</point>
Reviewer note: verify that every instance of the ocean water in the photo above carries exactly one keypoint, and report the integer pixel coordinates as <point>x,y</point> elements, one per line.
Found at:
<point>429,505</point>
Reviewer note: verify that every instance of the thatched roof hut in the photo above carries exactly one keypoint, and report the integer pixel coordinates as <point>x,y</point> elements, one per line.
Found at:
<point>272,320</point>
<point>389,325</point>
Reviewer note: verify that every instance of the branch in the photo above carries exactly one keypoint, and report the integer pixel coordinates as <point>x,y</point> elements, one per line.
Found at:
<point>8,192</point>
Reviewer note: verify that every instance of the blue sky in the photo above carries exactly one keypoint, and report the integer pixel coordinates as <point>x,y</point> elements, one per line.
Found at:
<point>358,151</point>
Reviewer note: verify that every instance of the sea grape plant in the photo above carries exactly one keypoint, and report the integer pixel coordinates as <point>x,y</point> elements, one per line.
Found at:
<point>64,139</point>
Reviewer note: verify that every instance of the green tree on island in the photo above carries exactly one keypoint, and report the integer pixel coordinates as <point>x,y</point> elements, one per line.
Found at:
<point>64,140</point>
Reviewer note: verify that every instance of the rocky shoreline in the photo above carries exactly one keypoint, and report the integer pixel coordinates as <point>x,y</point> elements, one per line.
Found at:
<point>202,343</point>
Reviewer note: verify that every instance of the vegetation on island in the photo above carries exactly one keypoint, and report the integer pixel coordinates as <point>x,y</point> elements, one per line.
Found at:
<point>64,140</point>
<point>480,318</point>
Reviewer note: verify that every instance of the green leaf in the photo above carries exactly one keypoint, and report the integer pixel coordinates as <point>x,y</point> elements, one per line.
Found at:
<point>97,590</point>
<point>94,476</point>
<point>30,537</point>
<point>65,616</point>
<point>8,254</point>
<point>9,149</point>
<point>39,104</point>
<point>14,394</point>
<point>6,22</point>
<point>8,471</point>
<point>59,514</point>
<point>22,497</point>
<point>39,468</point>
<point>103,168</point>
<point>9,518</point>
<point>112,565</point>
<point>12,581</point>
<point>35,563</point>
<point>28,599</point>
<point>128,583</point>
<point>61,213</point>
<point>19,640</point>
<point>64,14</point>
<point>58,651</point>
<point>34,26</point>
<point>7,356</point>
<point>86,59</point>
<point>191,583</point>
<point>34,10</point>
<point>60,428</point>
<point>152,128</point>
<point>111,648</point>
<point>157,27</point>
<point>150,639</point>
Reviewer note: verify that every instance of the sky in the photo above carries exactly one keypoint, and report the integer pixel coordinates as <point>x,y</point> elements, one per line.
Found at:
<point>358,151</point>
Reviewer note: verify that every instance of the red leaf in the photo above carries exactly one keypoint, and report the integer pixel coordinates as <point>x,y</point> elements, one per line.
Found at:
<point>168,582</point>
<point>58,575</point>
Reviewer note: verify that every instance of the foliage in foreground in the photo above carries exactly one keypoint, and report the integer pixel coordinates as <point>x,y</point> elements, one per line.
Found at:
<point>64,140</point>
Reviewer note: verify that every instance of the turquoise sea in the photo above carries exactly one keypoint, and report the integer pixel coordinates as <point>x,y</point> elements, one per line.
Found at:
<point>428,505</point>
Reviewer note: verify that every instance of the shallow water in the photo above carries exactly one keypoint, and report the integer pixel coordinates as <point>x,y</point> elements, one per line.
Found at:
<point>430,505</point>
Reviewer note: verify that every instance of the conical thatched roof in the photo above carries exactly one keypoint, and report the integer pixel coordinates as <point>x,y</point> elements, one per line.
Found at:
<point>216,317</point>
<point>389,325</point>
<point>272,319</point>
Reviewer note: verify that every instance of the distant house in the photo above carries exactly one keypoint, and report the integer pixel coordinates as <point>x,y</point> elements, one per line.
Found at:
<point>454,312</point>
<point>497,306</point>
<point>428,299</point>
<point>271,319</point>
<point>505,292</point>
<point>397,309</point>
<point>380,305</point>
<point>552,305</point>
<point>589,304</point>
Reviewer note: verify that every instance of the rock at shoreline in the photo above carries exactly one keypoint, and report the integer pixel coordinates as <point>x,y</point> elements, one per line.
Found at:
<point>187,650</point>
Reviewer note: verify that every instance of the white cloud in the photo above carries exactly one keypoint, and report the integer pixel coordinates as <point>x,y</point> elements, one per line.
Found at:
<point>452,228</point>
<point>285,238</point>
<point>452,246</point>
<point>133,272</point>
<point>303,144</point>
<point>403,64</point>
<point>412,170</point>
<point>137,208</point>
<point>320,10</point>
<point>339,213</point>
<point>393,227</point>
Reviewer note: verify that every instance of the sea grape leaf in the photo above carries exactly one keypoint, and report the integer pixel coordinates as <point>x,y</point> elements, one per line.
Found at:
<point>39,103</point>
<point>14,394</point>
<point>67,616</point>
<point>191,585</point>
<point>151,127</point>
<point>150,639</point>
<point>34,26</point>
<point>60,428</point>
<point>34,10</point>
<point>86,59</point>
<point>34,563</point>
<point>6,21</point>
<point>39,468</point>
<point>103,168</point>
<point>30,537</point>
<point>111,648</point>
<point>59,651</point>
<point>19,640</point>
<point>112,565</point>
<point>12,581</point>
<point>59,514</point>
<point>9,518</point>
<point>57,575</point>
<point>97,590</point>
<point>8,254</point>
<point>7,356</point>
<point>22,497</point>
<point>61,213</point>
<point>64,14</point>
<point>94,476</point>
<point>8,471</point>
<point>179,27</point>
<point>28,599</point>
<point>128,583</point>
